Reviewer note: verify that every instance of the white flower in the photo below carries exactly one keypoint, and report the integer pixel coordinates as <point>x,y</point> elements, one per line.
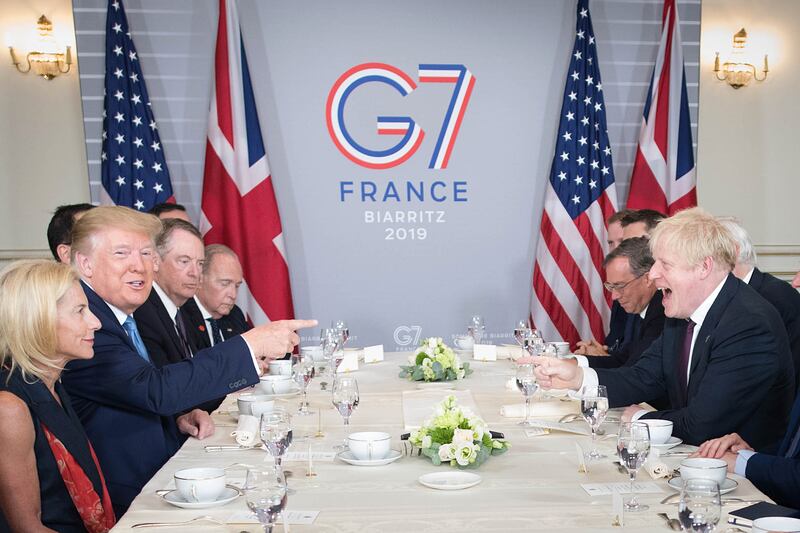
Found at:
<point>478,431</point>
<point>461,436</point>
<point>426,441</point>
<point>466,454</point>
<point>446,452</point>
<point>432,343</point>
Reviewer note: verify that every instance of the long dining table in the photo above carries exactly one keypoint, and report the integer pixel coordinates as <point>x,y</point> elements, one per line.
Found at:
<point>535,486</point>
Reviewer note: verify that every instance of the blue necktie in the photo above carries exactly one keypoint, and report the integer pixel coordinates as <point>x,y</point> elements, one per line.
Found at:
<point>215,332</point>
<point>133,333</point>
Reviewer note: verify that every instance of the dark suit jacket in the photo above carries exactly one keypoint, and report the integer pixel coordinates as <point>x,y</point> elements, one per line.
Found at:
<point>158,331</point>
<point>231,325</point>
<point>616,326</point>
<point>778,476</point>
<point>786,300</point>
<point>741,377</point>
<point>127,405</point>
<point>646,331</point>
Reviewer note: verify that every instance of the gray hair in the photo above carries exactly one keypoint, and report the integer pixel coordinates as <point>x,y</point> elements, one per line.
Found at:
<point>637,251</point>
<point>213,250</point>
<point>169,226</point>
<point>747,254</point>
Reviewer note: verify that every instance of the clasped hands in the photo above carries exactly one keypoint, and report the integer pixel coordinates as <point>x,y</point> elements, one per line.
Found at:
<point>726,448</point>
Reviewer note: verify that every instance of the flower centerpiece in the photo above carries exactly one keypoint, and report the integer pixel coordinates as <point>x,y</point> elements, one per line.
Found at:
<point>435,361</point>
<point>456,436</point>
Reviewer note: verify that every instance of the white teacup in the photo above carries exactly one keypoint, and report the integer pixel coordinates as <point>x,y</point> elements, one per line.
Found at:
<point>562,348</point>
<point>769,524</point>
<point>660,430</point>
<point>276,384</point>
<point>464,342</point>
<point>315,352</point>
<point>369,445</point>
<point>280,368</point>
<point>200,485</point>
<point>254,404</point>
<point>704,468</point>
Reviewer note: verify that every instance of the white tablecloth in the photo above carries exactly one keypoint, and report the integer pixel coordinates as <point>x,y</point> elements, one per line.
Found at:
<point>533,487</point>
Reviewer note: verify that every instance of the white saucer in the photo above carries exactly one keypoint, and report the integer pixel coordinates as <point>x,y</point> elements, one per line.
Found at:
<point>453,480</point>
<point>729,485</point>
<point>348,458</point>
<point>228,495</point>
<point>671,443</point>
<point>294,392</point>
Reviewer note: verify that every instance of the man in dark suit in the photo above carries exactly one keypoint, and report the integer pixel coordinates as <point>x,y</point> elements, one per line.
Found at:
<point>59,229</point>
<point>166,335</point>
<point>129,408</point>
<point>723,358</point>
<point>626,278</point>
<point>783,297</point>
<point>212,315</point>
<point>775,471</point>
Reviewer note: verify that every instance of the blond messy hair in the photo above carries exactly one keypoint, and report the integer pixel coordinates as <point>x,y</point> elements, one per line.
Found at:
<point>694,234</point>
<point>86,230</point>
<point>29,294</point>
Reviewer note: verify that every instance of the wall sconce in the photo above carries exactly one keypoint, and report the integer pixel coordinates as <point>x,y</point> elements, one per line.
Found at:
<point>47,62</point>
<point>738,74</point>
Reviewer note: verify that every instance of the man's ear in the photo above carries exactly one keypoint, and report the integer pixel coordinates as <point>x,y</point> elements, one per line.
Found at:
<point>63,251</point>
<point>156,262</point>
<point>706,267</point>
<point>83,264</point>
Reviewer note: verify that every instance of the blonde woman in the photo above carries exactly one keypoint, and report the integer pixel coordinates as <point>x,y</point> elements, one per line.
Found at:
<point>49,476</point>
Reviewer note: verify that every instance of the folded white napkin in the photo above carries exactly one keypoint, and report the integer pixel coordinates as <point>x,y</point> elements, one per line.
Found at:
<point>656,468</point>
<point>246,432</point>
<point>516,410</point>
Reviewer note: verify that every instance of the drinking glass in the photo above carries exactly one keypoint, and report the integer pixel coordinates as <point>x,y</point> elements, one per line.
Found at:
<point>700,507</point>
<point>331,342</point>
<point>633,446</point>
<point>345,399</point>
<point>594,408</point>
<point>341,327</point>
<point>303,372</point>
<point>526,383</point>
<point>476,328</point>
<point>519,331</point>
<point>266,494</point>
<point>276,433</point>
<point>532,342</point>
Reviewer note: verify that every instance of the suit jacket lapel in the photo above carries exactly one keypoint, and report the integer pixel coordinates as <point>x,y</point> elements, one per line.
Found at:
<point>107,317</point>
<point>673,338</point>
<point>756,279</point>
<point>166,320</point>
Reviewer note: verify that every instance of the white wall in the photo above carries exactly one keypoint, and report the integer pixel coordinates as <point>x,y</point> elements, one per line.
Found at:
<point>747,138</point>
<point>42,148</point>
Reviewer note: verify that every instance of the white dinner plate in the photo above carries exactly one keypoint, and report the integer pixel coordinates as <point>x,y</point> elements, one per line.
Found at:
<point>729,485</point>
<point>348,458</point>
<point>453,480</point>
<point>671,443</point>
<point>228,495</point>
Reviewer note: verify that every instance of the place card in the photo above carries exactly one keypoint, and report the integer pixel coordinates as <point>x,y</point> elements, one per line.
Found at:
<point>289,516</point>
<point>315,456</point>
<point>617,510</point>
<point>607,489</point>
<point>485,352</point>
<point>582,467</point>
<point>373,354</point>
<point>536,432</point>
<point>349,362</point>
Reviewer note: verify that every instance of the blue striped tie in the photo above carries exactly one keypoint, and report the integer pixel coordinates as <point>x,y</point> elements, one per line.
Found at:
<point>133,333</point>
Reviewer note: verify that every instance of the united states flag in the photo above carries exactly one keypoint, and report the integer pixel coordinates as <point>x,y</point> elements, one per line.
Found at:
<point>568,300</point>
<point>132,163</point>
<point>663,176</point>
<point>239,207</point>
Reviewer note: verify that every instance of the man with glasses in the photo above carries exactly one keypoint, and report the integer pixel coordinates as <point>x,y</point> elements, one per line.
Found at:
<point>626,279</point>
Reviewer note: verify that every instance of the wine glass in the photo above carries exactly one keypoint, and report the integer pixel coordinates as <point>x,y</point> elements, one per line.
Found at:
<point>527,384</point>
<point>303,372</point>
<point>276,433</point>
<point>341,327</point>
<point>519,331</point>
<point>594,408</point>
<point>476,328</point>
<point>266,494</point>
<point>532,341</point>
<point>331,342</point>
<point>345,399</point>
<point>633,446</point>
<point>699,509</point>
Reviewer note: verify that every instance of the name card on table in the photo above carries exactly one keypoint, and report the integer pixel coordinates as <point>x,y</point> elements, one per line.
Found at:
<point>485,352</point>
<point>373,354</point>
<point>349,362</point>
<point>295,518</point>
<point>326,457</point>
<point>607,489</point>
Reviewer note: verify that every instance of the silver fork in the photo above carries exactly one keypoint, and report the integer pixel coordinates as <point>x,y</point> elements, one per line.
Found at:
<point>185,522</point>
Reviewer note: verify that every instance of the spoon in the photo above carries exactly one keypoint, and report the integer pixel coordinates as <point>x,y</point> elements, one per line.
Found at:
<point>673,523</point>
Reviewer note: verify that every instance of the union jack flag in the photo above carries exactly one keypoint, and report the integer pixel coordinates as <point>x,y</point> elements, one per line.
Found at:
<point>663,176</point>
<point>238,205</point>
<point>568,300</point>
<point>132,164</point>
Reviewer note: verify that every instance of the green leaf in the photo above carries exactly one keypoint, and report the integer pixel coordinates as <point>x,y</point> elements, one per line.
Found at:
<point>417,375</point>
<point>421,356</point>
<point>441,435</point>
<point>437,367</point>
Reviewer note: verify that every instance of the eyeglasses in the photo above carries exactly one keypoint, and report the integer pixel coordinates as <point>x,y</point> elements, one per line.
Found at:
<point>619,287</point>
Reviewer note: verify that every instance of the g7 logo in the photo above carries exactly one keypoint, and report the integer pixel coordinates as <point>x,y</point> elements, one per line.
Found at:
<point>405,335</point>
<point>411,131</point>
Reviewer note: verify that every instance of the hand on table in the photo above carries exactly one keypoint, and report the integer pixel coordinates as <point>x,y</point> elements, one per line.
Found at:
<point>629,412</point>
<point>591,347</point>
<point>196,423</point>
<point>718,447</point>
<point>557,373</point>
